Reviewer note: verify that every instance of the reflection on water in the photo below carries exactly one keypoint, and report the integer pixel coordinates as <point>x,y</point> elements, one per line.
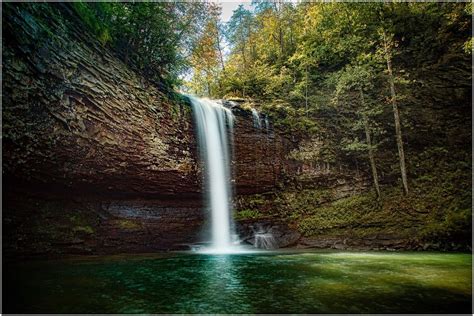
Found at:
<point>221,283</point>
<point>221,274</point>
<point>313,282</point>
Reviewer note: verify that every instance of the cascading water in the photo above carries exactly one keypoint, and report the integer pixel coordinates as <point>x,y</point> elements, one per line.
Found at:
<point>256,119</point>
<point>265,241</point>
<point>214,122</point>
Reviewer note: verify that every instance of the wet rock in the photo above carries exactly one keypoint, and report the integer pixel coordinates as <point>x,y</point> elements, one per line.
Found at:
<point>339,246</point>
<point>282,235</point>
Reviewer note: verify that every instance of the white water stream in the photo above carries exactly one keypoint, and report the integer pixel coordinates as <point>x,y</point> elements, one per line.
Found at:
<point>256,118</point>
<point>214,123</point>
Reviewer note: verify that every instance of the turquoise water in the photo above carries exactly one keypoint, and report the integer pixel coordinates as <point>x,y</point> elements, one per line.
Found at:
<point>281,282</point>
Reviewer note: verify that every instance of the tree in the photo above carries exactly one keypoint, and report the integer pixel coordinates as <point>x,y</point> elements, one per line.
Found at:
<point>351,85</point>
<point>239,32</point>
<point>205,62</point>
<point>387,48</point>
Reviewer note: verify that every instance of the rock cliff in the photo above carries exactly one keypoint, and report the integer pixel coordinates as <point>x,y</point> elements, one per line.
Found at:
<point>97,159</point>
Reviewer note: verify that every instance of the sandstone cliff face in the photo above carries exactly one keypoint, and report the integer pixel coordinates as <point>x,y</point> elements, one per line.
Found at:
<point>96,159</point>
<point>259,160</point>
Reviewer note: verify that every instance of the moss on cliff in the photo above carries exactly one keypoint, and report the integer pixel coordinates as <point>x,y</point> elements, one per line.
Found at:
<point>247,214</point>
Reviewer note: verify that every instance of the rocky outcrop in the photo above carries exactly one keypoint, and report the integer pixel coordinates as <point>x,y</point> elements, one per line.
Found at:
<point>278,233</point>
<point>80,125</point>
<point>372,242</point>
<point>383,241</point>
<point>259,154</point>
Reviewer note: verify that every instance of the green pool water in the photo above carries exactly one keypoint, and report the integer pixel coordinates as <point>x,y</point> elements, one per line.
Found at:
<point>280,282</point>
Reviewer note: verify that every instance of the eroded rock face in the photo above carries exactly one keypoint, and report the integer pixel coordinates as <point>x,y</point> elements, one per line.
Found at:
<point>79,124</point>
<point>259,158</point>
<point>372,242</point>
<point>76,117</point>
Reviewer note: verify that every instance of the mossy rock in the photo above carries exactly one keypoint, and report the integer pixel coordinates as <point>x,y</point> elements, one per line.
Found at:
<point>247,214</point>
<point>127,224</point>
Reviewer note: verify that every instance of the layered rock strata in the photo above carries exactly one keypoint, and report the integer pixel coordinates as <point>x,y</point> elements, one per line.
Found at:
<point>97,159</point>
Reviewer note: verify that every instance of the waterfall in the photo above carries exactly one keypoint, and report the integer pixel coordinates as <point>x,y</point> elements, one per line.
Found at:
<point>256,119</point>
<point>265,241</point>
<point>214,122</point>
<point>267,123</point>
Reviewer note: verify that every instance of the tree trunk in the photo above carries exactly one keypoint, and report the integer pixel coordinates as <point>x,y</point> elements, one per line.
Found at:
<point>396,114</point>
<point>218,40</point>
<point>278,9</point>
<point>306,91</point>
<point>373,167</point>
<point>281,42</point>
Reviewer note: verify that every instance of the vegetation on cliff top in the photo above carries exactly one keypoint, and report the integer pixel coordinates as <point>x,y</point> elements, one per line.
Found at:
<point>154,38</point>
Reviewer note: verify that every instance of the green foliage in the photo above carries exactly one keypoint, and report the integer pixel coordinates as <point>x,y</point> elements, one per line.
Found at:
<point>83,229</point>
<point>95,17</point>
<point>206,58</point>
<point>438,210</point>
<point>306,64</point>
<point>343,213</point>
<point>149,36</point>
<point>247,214</point>
<point>53,226</point>
<point>455,227</point>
